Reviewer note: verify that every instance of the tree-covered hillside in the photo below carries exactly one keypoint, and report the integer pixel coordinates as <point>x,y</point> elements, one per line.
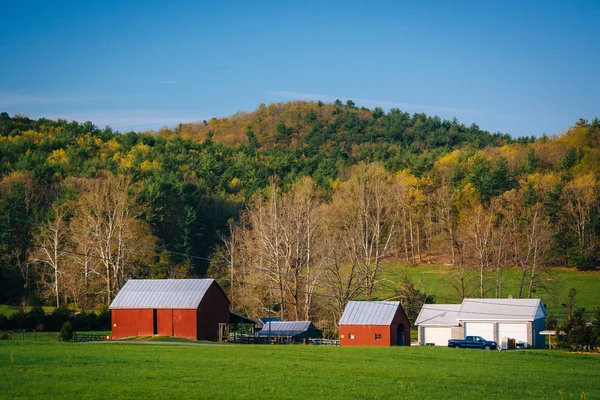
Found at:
<point>82,209</point>
<point>316,125</point>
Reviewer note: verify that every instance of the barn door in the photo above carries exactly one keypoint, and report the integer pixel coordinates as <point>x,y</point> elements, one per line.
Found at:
<point>155,321</point>
<point>400,336</point>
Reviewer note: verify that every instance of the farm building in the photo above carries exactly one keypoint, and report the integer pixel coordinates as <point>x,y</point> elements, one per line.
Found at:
<point>492,319</point>
<point>187,308</point>
<point>294,331</point>
<point>262,321</point>
<point>436,323</point>
<point>377,323</point>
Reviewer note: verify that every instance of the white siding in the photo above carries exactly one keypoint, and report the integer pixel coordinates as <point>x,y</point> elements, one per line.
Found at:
<point>512,331</point>
<point>438,336</point>
<point>483,329</point>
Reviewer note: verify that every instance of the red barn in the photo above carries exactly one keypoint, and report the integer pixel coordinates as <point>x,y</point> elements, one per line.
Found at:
<point>186,308</point>
<point>377,323</point>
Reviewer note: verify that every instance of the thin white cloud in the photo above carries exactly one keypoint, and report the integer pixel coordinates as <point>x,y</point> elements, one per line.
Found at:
<point>132,119</point>
<point>372,103</point>
<point>13,98</point>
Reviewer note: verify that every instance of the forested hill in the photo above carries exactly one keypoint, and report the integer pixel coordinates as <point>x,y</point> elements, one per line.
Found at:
<point>317,126</point>
<point>108,202</point>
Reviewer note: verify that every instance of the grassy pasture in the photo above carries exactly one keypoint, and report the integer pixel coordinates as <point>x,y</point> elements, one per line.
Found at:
<point>10,310</point>
<point>127,371</point>
<point>553,286</point>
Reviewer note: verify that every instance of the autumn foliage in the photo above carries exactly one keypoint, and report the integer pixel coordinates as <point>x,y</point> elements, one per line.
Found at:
<point>299,205</point>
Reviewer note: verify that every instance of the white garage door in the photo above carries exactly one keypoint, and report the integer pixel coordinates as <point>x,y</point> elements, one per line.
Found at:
<point>438,336</point>
<point>483,329</point>
<point>512,331</point>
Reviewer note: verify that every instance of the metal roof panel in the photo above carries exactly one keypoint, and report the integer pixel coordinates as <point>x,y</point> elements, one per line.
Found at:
<point>438,315</point>
<point>161,293</point>
<point>501,309</point>
<point>284,328</point>
<point>369,312</point>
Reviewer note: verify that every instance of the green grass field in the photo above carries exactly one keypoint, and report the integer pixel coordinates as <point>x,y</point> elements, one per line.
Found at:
<point>30,370</point>
<point>10,310</point>
<point>553,287</point>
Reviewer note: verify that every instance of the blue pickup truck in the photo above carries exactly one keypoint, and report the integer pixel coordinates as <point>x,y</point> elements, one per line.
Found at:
<point>472,342</point>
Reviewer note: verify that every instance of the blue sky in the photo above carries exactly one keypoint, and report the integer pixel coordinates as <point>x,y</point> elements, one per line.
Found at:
<point>517,67</point>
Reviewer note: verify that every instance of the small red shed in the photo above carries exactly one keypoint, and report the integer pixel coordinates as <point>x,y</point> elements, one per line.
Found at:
<point>374,323</point>
<point>186,308</point>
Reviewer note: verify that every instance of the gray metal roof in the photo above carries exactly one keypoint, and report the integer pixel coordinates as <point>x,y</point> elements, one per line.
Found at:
<point>438,315</point>
<point>284,328</point>
<point>161,293</point>
<point>369,312</point>
<point>501,310</point>
<point>264,320</point>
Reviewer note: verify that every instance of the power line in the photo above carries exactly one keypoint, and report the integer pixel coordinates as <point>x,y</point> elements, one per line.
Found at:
<point>226,262</point>
<point>104,238</point>
<point>157,249</point>
<point>73,252</point>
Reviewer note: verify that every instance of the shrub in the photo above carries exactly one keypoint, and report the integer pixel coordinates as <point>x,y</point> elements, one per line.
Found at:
<point>578,333</point>
<point>551,322</point>
<point>18,320</point>
<point>3,322</point>
<point>58,317</point>
<point>4,336</point>
<point>66,332</point>
<point>81,321</point>
<point>332,334</point>
<point>35,317</point>
<point>104,319</point>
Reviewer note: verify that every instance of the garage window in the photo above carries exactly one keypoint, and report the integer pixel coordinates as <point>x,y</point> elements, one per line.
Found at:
<point>351,336</point>
<point>378,336</point>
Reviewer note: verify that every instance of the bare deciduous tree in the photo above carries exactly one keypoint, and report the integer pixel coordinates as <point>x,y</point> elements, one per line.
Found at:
<point>51,242</point>
<point>107,212</point>
<point>366,217</point>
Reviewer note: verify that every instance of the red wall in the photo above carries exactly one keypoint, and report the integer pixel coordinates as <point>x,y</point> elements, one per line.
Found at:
<point>184,324</point>
<point>165,322</point>
<point>364,335</point>
<point>132,323</point>
<point>170,322</point>
<point>401,319</point>
<point>214,309</point>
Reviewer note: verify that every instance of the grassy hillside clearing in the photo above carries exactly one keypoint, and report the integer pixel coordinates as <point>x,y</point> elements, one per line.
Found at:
<point>128,371</point>
<point>436,280</point>
<point>10,310</point>
<point>553,286</point>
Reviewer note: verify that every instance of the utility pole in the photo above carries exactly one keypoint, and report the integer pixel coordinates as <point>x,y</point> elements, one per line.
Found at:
<point>269,337</point>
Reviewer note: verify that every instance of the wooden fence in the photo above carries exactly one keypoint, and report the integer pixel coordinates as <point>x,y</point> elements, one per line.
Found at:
<point>88,337</point>
<point>324,342</point>
<point>249,339</point>
<point>28,334</point>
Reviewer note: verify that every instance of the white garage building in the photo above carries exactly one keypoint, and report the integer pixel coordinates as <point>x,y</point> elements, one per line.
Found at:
<point>492,319</point>
<point>436,322</point>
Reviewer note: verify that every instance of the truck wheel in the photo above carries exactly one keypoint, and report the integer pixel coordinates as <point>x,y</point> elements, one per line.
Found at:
<point>487,347</point>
